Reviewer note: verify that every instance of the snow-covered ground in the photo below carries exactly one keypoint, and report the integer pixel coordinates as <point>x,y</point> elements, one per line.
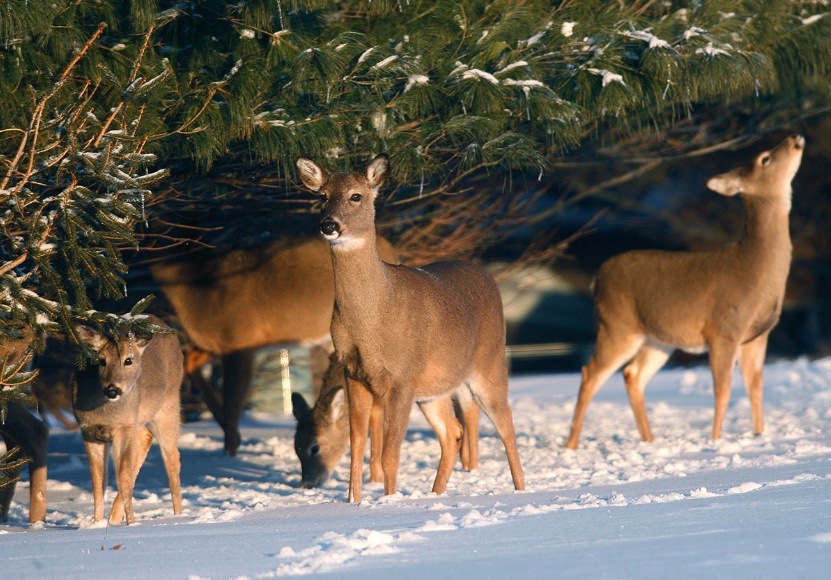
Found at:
<point>681,507</point>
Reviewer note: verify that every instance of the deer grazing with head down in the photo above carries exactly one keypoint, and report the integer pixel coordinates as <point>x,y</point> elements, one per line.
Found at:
<point>408,335</point>
<point>322,434</point>
<point>135,382</point>
<point>231,304</point>
<point>727,301</point>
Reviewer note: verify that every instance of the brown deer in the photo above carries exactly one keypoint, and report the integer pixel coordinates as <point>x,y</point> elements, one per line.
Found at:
<point>725,301</point>
<point>322,434</point>
<point>408,335</point>
<point>136,382</point>
<point>22,429</point>
<point>246,299</point>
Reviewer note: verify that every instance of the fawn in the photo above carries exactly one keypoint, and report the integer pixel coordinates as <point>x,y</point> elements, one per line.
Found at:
<point>136,382</point>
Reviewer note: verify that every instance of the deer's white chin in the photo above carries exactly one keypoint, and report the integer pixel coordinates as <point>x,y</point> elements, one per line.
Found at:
<point>344,243</point>
<point>331,237</point>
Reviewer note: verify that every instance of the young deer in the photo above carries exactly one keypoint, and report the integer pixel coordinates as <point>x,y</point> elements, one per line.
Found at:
<point>21,428</point>
<point>727,300</point>
<point>408,335</point>
<point>135,383</point>
<point>246,299</point>
<point>322,434</point>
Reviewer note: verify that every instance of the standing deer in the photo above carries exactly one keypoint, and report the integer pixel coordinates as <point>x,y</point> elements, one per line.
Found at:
<point>21,428</point>
<point>232,304</point>
<point>136,382</point>
<point>408,335</point>
<point>322,434</point>
<point>725,301</point>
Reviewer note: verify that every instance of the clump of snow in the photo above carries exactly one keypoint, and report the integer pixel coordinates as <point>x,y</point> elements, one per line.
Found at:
<point>651,40</point>
<point>475,73</point>
<point>608,76</point>
<point>567,29</point>
<point>416,80</point>
<point>712,51</point>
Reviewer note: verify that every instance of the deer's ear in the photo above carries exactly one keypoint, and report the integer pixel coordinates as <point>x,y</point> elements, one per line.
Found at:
<point>92,337</point>
<point>376,171</point>
<point>311,174</point>
<point>729,183</point>
<point>299,407</point>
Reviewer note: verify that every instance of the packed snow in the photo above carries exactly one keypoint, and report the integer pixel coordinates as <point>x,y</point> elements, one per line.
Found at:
<point>683,506</point>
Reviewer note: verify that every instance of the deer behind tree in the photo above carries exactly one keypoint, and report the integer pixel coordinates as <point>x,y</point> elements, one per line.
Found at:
<point>246,299</point>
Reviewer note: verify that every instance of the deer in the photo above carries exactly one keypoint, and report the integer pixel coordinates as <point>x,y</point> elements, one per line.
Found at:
<point>322,433</point>
<point>725,301</point>
<point>135,382</point>
<point>231,304</point>
<point>22,429</point>
<point>408,335</point>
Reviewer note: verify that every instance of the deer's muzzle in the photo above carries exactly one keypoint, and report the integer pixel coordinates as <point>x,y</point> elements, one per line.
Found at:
<point>330,229</point>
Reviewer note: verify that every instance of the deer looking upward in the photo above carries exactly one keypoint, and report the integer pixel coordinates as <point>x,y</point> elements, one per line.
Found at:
<point>408,335</point>
<point>726,301</point>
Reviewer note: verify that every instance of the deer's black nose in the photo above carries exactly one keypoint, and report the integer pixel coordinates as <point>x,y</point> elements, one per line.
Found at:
<point>112,392</point>
<point>328,227</point>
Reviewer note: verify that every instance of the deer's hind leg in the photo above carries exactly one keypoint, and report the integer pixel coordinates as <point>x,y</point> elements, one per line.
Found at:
<point>439,413</point>
<point>611,351</point>
<point>491,394</point>
<point>166,426</point>
<point>467,412</point>
<point>648,360</point>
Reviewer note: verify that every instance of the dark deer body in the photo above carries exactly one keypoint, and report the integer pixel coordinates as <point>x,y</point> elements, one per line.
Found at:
<point>21,428</point>
<point>725,301</point>
<point>137,382</point>
<point>246,299</point>
<point>408,335</point>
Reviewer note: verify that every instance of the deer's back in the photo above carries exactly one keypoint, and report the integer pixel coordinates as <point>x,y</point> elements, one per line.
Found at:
<point>250,298</point>
<point>679,297</point>
<point>443,324</point>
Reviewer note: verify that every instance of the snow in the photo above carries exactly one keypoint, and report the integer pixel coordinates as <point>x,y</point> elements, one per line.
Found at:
<point>607,76</point>
<point>475,73</point>
<point>651,40</point>
<point>683,506</point>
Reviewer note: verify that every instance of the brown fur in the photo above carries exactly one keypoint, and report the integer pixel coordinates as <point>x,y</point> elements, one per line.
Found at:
<point>726,301</point>
<point>408,335</point>
<point>137,383</point>
<point>247,299</point>
<point>322,434</point>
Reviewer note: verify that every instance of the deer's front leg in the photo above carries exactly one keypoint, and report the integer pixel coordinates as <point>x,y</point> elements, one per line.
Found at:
<point>97,454</point>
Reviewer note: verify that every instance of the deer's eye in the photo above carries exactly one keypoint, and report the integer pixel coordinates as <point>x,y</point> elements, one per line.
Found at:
<point>355,197</point>
<point>102,362</point>
<point>315,450</point>
<point>322,198</point>
<point>128,361</point>
<point>765,160</point>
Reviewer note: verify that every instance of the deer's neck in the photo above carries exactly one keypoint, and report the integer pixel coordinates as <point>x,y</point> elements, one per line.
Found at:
<point>361,281</point>
<point>766,232</point>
